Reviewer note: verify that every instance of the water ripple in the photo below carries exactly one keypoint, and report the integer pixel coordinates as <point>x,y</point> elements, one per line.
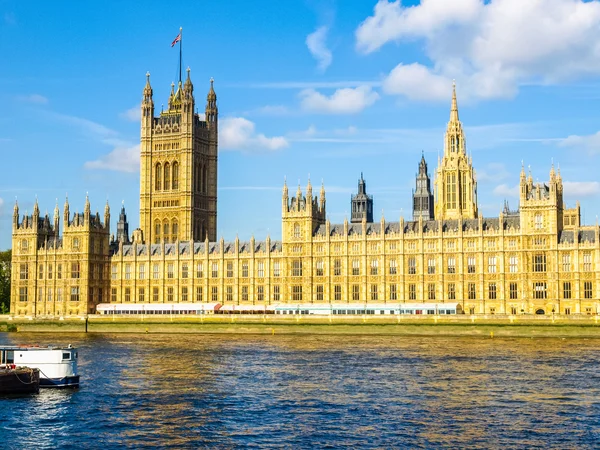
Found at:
<point>186,391</point>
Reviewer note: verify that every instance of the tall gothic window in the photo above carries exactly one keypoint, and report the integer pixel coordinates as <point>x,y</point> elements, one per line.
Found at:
<point>175,175</point>
<point>157,177</point>
<point>167,176</point>
<point>463,190</point>
<point>452,144</point>
<point>166,232</point>
<point>451,191</point>
<point>175,230</point>
<point>157,232</point>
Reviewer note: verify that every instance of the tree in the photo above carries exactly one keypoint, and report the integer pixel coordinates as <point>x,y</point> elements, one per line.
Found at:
<point>5,262</point>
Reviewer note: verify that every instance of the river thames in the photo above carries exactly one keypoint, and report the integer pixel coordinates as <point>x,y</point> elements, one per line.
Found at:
<point>224,391</point>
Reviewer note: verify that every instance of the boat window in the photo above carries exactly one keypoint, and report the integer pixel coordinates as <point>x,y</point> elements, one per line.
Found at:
<point>66,356</point>
<point>10,357</point>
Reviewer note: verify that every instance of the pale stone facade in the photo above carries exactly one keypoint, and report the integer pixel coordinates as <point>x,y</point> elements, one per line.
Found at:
<point>537,260</point>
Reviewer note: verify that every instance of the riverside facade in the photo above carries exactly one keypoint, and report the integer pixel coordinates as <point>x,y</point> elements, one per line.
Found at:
<point>537,260</point>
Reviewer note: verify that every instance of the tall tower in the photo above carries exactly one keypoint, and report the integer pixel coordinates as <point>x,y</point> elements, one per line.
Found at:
<point>178,167</point>
<point>422,196</point>
<point>362,203</point>
<point>455,181</point>
<point>123,227</point>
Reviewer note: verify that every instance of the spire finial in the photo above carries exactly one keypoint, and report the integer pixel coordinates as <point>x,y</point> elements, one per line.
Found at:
<point>454,107</point>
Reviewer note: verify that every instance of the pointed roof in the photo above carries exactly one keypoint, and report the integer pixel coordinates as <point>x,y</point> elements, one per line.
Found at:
<point>454,107</point>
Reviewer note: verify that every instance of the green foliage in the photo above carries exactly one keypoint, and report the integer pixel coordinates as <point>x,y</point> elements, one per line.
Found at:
<point>5,260</point>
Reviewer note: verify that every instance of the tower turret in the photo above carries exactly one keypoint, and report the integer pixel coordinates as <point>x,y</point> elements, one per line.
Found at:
<point>66,213</point>
<point>147,106</point>
<point>16,215</point>
<point>361,203</point>
<point>56,219</point>
<point>87,210</point>
<point>211,111</point>
<point>107,216</point>
<point>285,198</point>
<point>322,198</point>
<point>123,227</point>
<point>422,196</point>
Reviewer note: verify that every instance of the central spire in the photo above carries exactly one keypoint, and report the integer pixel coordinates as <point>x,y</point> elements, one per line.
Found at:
<point>454,108</point>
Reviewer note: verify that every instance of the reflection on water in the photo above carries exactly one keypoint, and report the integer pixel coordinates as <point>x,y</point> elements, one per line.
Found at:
<point>314,391</point>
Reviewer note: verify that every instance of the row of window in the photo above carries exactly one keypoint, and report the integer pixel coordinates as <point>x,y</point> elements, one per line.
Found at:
<point>166,177</point>
<point>167,231</point>
<point>47,271</point>
<point>73,293</point>
<point>539,290</point>
<point>539,265</point>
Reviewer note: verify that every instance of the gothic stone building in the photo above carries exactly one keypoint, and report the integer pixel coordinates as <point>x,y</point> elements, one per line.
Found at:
<point>539,259</point>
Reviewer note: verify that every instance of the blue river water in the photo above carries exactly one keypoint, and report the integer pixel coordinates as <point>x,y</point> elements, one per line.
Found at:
<point>224,391</point>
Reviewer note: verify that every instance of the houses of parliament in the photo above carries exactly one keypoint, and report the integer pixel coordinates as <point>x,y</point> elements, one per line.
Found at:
<point>538,259</point>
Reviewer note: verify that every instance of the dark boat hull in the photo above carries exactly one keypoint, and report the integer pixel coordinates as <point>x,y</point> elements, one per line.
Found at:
<point>66,382</point>
<point>19,381</point>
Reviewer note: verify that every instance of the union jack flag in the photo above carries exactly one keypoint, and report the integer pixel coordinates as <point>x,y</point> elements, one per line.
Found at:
<point>176,40</point>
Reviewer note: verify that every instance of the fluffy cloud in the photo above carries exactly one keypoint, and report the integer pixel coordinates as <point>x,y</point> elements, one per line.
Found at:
<point>132,114</point>
<point>581,188</point>
<point>122,158</point>
<point>504,190</point>
<point>493,172</point>
<point>489,47</point>
<point>590,142</point>
<point>416,82</point>
<point>342,101</point>
<point>238,133</point>
<point>318,48</point>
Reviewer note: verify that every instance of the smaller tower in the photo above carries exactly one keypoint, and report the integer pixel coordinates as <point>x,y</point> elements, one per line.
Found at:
<point>107,216</point>
<point>56,218</point>
<point>123,227</point>
<point>16,215</point>
<point>211,111</point>
<point>422,197</point>
<point>362,203</point>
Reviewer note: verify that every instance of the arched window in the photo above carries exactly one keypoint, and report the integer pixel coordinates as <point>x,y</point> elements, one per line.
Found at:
<point>204,180</point>
<point>157,233</point>
<point>166,231</point>
<point>175,175</point>
<point>452,144</point>
<point>167,176</point>
<point>157,177</point>
<point>297,230</point>
<point>175,230</point>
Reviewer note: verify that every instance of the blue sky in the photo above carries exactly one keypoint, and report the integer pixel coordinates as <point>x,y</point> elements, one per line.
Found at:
<point>328,89</point>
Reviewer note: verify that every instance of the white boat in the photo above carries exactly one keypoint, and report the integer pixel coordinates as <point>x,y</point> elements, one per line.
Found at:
<point>57,365</point>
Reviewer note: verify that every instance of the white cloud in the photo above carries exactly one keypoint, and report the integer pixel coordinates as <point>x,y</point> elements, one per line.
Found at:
<point>36,99</point>
<point>124,156</point>
<point>318,48</point>
<point>490,48</point>
<point>132,114</point>
<point>590,142</point>
<point>238,133</point>
<point>503,190</point>
<point>121,159</point>
<point>581,188</point>
<point>493,172</point>
<point>416,82</point>
<point>342,101</point>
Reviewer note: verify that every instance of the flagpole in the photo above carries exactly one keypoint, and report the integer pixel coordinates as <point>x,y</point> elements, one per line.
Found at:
<point>180,39</point>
